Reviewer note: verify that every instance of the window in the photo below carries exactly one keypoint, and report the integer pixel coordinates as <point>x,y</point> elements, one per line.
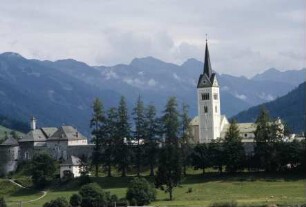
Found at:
<point>205,109</point>
<point>205,96</point>
<point>216,109</point>
<point>215,96</point>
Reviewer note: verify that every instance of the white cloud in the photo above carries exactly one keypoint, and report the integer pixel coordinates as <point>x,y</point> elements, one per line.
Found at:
<point>152,82</point>
<point>241,96</point>
<point>245,37</point>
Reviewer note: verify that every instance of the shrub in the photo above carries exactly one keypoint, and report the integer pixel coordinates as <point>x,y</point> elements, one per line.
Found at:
<point>59,202</point>
<point>140,191</point>
<point>93,196</point>
<point>75,200</point>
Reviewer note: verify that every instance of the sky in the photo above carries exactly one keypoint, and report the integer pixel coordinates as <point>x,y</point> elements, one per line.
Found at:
<point>245,37</point>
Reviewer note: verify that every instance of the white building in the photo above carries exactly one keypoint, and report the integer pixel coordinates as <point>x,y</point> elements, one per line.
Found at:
<point>208,93</point>
<point>210,124</point>
<point>71,167</point>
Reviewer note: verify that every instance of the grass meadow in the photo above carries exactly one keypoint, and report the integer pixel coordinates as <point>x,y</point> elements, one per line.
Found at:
<point>247,189</point>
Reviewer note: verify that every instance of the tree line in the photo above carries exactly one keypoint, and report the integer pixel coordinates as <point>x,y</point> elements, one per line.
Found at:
<point>164,144</point>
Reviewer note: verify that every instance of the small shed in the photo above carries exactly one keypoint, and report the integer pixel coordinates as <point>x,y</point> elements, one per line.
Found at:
<point>71,167</point>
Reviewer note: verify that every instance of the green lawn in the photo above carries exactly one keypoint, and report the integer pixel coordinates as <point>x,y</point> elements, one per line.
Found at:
<point>246,189</point>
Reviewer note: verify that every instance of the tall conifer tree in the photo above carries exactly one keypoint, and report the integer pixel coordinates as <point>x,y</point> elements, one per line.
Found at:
<point>233,148</point>
<point>97,123</point>
<point>152,132</point>
<point>123,153</point>
<point>140,129</point>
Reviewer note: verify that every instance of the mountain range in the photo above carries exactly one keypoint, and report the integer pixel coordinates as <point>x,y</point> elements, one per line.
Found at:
<point>61,92</point>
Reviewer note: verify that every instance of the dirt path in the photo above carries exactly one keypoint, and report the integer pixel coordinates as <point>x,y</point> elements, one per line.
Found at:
<point>44,193</point>
<point>20,186</point>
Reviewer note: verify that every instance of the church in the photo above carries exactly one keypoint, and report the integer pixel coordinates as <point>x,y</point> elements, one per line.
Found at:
<point>210,124</point>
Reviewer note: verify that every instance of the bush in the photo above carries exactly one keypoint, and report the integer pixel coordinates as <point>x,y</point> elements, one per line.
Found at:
<point>59,202</point>
<point>122,202</point>
<point>93,196</point>
<point>2,202</point>
<point>42,169</point>
<point>75,200</point>
<point>224,204</point>
<point>140,191</point>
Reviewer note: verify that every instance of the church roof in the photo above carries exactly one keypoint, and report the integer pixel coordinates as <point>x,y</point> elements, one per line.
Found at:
<point>207,78</point>
<point>67,133</point>
<point>207,66</point>
<point>10,142</point>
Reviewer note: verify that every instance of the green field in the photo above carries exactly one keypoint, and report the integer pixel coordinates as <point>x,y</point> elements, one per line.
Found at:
<point>244,188</point>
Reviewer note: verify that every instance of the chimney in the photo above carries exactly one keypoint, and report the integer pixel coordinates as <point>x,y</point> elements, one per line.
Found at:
<point>33,123</point>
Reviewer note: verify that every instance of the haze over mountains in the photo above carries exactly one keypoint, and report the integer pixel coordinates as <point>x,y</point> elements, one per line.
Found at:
<point>61,92</point>
<point>290,108</point>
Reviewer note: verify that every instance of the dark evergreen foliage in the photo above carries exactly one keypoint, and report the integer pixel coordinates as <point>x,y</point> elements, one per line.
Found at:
<point>140,130</point>
<point>171,122</point>
<point>153,131</point>
<point>186,138</point>
<point>97,123</point>
<point>200,157</point>
<point>123,151</point>
<point>216,154</point>
<point>169,169</point>
<point>233,149</point>
<point>42,169</point>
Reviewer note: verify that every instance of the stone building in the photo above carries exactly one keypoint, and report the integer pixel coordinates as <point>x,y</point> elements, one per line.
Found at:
<point>9,152</point>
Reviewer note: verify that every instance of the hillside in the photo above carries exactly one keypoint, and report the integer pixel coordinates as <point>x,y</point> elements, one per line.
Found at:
<point>29,88</point>
<point>61,92</point>
<point>290,108</point>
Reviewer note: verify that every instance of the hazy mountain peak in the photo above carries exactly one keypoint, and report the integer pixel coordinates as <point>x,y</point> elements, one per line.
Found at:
<point>148,59</point>
<point>11,54</point>
<point>70,61</point>
<point>191,62</point>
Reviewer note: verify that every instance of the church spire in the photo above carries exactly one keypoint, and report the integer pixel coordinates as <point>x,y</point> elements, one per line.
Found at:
<point>207,65</point>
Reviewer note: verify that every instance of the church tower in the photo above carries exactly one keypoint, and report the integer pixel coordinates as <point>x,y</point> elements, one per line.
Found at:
<point>208,103</point>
